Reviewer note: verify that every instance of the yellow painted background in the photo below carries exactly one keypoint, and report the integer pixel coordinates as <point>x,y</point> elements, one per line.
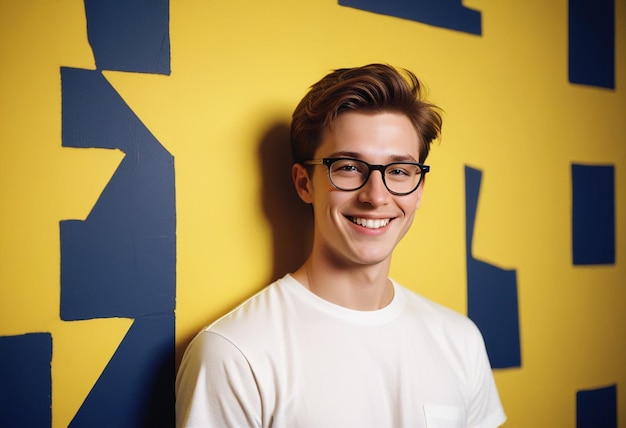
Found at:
<point>238,70</point>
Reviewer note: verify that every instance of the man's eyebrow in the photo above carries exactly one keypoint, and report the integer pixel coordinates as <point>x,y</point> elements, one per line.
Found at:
<point>402,158</point>
<point>356,155</point>
<point>344,154</point>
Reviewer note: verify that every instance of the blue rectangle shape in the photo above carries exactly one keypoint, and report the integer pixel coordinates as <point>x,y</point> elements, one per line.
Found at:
<point>129,35</point>
<point>493,306</point>
<point>25,380</point>
<point>597,408</point>
<point>592,42</point>
<point>593,214</point>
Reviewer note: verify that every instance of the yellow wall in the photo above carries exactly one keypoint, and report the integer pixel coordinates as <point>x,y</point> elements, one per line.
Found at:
<point>238,69</point>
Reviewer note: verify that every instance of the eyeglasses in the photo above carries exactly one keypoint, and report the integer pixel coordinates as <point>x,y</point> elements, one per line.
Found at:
<point>400,178</point>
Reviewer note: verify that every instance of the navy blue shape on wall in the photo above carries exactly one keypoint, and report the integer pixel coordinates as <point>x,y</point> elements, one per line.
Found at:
<point>593,214</point>
<point>450,14</point>
<point>592,42</point>
<point>491,291</point>
<point>129,35</point>
<point>26,380</point>
<point>597,408</point>
<point>120,261</point>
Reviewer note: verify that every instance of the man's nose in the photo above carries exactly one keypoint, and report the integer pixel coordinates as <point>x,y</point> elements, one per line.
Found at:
<point>374,191</point>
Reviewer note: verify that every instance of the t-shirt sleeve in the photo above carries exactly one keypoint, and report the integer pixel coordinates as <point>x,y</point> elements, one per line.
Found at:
<point>215,386</point>
<point>485,409</point>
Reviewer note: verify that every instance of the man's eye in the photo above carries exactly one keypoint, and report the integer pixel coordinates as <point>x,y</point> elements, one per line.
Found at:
<point>347,167</point>
<point>398,172</point>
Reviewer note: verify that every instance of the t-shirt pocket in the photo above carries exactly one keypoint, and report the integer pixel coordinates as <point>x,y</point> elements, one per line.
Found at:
<point>438,416</point>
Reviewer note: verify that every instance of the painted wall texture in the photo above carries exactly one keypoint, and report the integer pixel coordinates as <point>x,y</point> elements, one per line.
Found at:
<point>145,189</point>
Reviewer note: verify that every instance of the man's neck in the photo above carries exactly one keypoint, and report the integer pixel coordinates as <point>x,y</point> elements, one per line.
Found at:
<point>363,288</point>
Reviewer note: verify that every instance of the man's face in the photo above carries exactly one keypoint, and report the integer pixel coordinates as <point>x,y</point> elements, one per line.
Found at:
<point>361,227</point>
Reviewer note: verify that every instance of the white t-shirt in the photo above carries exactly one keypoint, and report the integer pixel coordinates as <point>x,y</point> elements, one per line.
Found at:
<point>286,358</point>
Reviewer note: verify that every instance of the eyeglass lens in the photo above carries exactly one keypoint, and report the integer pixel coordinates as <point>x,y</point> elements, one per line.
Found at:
<point>350,174</point>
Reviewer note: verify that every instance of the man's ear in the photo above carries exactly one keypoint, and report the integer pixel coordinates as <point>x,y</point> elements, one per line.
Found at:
<point>302,182</point>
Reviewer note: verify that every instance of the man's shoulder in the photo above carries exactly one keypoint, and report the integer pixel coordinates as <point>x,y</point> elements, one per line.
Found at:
<point>253,314</point>
<point>437,315</point>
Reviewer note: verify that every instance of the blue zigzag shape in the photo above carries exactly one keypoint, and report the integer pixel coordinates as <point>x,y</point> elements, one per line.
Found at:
<point>491,291</point>
<point>120,261</point>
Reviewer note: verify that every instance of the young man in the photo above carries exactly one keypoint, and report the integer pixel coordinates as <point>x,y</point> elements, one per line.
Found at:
<point>337,343</point>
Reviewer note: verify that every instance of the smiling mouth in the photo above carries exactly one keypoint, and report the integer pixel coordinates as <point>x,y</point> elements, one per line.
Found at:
<point>370,223</point>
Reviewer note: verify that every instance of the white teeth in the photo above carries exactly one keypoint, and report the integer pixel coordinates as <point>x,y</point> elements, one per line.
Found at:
<point>370,223</point>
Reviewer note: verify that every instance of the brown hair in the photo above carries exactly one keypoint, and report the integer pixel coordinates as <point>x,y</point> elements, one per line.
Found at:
<point>373,87</point>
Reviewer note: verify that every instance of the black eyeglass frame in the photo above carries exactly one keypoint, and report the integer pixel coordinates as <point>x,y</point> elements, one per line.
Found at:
<point>381,168</point>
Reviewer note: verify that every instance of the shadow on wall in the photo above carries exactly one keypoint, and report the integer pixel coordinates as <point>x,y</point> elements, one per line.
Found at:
<point>291,219</point>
